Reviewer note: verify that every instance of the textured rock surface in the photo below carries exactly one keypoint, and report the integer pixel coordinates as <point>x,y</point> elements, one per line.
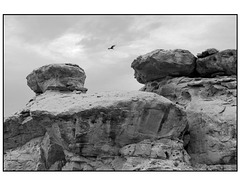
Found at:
<point>191,126</point>
<point>163,154</point>
<point>65,77</point>
<point>19,129</point>
<point>209,100</point>
<point>213,63</point>
<point>26,157</point>
<point>161,63</point>
<point>210,104</point>
<point>93,126</point>
<point>207,52</point>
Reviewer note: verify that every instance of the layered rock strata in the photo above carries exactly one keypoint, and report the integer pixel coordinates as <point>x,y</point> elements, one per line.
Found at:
<point>209,99</point>
<point>210,104</point>
<point>95,126</point>
<point>184,118</point>
<point>62,129</point>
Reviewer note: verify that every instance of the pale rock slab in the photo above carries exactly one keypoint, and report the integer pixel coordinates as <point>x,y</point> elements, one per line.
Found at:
<point>90,129</point>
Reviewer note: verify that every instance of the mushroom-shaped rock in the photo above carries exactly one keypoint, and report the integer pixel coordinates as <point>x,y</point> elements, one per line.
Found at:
<point>161,63</point>
<point>65,77</point>
<point>221,63</point>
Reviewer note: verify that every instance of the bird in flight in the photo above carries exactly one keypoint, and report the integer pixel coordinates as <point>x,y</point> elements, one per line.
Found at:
<point>111,48</point>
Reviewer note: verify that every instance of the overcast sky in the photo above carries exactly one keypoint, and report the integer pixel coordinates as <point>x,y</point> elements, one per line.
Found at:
<point>33,41</point>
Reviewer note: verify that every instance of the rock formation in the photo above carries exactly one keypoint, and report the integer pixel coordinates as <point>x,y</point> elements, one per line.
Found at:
<point>64,77</point>
<point>207,52</point>
<point>210,104</point>
<point>161,63</point>
<point>65,130</point>
<point>211,63</point>
<point>182,119</point>
<point>93,126</point>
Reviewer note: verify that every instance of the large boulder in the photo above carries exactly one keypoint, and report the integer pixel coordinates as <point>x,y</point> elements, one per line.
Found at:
<point>211,63</point>
<point>207,52</point>
<point>65,77</point>
<point>211,108</point>
<point>161,63</point>
<point>70,126</point>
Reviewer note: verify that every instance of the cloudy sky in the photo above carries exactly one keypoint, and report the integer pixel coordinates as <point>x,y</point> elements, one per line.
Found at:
<point>33,41</point>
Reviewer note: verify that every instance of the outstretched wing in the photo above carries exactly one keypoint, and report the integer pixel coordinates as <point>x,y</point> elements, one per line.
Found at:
<point>112,47</point>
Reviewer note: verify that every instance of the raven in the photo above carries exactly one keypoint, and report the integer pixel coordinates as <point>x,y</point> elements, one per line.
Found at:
<point>111,47</point>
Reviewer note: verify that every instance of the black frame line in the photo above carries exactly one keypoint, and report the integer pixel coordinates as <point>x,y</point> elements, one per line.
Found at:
<point>115,15</point>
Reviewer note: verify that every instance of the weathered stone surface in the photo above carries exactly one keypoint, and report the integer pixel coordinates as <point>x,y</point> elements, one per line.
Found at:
<point>217,63</point>
<point>57,166</point>
<point>158,149</point>
<point>65,77</point>
<point>143,164</point>
<point>41,153</point>
<point>118,163</point>
<point>26,157</point>
<point>163,154</point>
<point>210,104</point>
<point>20,129</point>
<point>73,166</point>
<point>207,52</point>
<point>161,63</point>
<point>52,151</point>
<point>175,158</point>
<point>204,167</point>
<point>62,129</point>
<point>95,125</point>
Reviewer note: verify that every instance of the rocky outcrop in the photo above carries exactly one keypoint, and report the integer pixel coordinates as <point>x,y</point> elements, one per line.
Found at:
<point>163,154</point>
<point>210,104</point>
<point>180,120</point>
<point>211,111</point>
<point>212,63</point>
<point>161,63</point>
<point>62,77</point>
<point>70,131</point>
<point>26,157</point>
<point>207,52</point>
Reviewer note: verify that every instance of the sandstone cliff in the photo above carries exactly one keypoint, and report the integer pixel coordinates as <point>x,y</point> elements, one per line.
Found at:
<point>181,120</point>
<point>208,95</point>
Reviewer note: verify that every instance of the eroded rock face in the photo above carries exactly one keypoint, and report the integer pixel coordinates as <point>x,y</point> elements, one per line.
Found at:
<point>210,104</point>
<point>209,99</point>
<point>91,126</point>
<point>163,154</point>
<point>20,129</point>
<point>177,123</point>
<point>161,63</point>
<point>207,52</point>
<point>212,63</point>
<point>27,157</point>
<point>65,77</point>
